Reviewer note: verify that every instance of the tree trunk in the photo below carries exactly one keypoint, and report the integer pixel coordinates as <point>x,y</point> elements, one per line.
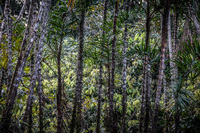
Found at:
<point>147,73</point>
<point>101,70</point>
<point>162,65</point>
<point>124,99</point>
<point>41,104</point>
<point>39,48</point>
<point>5,18</point>
<point>165,104</point>
<point>79,76</point>
<point>145,103</point>
<point>9,49</point>
<point>59,91</point>
<point>112,89</point>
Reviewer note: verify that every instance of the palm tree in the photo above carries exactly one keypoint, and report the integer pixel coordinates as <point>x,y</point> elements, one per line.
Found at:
<point>112,126</point>
<point>101,69</point>
<point>79,76</point>
<point>162,65</point>
<point>124,99</point>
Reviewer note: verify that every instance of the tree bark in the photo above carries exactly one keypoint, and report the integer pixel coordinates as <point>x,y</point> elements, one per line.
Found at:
<point>59,91</point>
<point>145,103</point>
<point>9,48</point>
<point>162,65</point>
<point>112,126</point>
<point>79,76</point>
<point>5,18</point>
<point>101,70</point>
<point>41,103</point>
<point>124,93</point>
<point>147,73</point>
<point>42,14</point>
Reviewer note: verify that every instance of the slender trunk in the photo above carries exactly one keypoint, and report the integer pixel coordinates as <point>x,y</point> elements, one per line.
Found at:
<point>41,104</point>
<point>5,18</point>
<point>59,91</point>
<point>171,72</point>
<point>80,72</point>
<point>39,48</point>
<point>194,18</point>
<point>165,103</point>
<point>124,99</point>
<point>161,67</point>
<point>145,103</point>
<point>108,67</point>
<point>112,88</point>
<point>101,70</point>
<point>79,76</point>
<point>9,49</point>
<point>147,73</point>
<point>142,107</point>
<point>171,53</point>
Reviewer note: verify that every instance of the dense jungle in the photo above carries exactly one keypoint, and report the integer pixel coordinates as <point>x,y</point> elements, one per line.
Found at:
<point>99,66</point>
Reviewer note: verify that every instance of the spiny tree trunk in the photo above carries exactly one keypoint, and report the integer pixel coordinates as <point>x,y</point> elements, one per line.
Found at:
<point>162,65</point>
<point>145,103</point>
<point>59,91</point>
<point>9,49</point>
<point>165,103</point>
<point>172,67</point>
<point>147,74</point>
<point>194,18</point>
<point>142,107</point>
<point>101,70</point>
<point>79,76</point>
<point>112,127</point>
<point>124,99</point>
<point>5,16</point>
<point>42,13</point>
<point>175,70</point>
<point>80,72</point>
<point>41,104</point>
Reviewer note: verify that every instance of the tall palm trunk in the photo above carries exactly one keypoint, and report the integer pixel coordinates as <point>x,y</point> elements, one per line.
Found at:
<point>101,69</point>
<point>124,99</point>
<point>147,73</point>
<point>79,76</point>
<point>112,89</point>
<point>42,14</point>
<point>59,90</point>
<point>9,49</point>
<point>5,18</point>
<point>41,104</point>
<point>162,65</point>
<point>145,104</point>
